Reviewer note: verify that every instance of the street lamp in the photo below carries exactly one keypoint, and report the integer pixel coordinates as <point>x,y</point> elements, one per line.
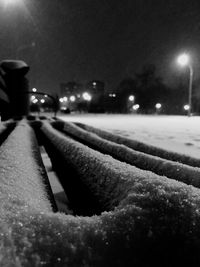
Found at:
<point>87,96</point>
<point>131,98</point>
<point>136,107</point>
<point>186,107</point>
<point>184,60</point>
<point>72,98</point>
<point>158,107</point>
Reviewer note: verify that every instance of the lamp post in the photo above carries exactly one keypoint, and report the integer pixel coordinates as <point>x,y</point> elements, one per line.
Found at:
<point>184,60</point>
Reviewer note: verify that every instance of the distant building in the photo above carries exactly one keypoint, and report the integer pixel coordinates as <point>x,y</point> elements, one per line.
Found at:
<point>97,89</point>
<point>70,88</point>
<point>73,96</point>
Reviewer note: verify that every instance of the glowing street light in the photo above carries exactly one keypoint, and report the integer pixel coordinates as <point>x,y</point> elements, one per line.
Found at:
<point>131,98</point>
<point>35,100</point>
<point>61,100</point>
<point>72,98</point>
<point>184,61</point>
<point>34,90</point>
<point>186,107</point>
<point>112,95</point>
<point>87,96</point>
<point>32,97</point>
<point>136,107</point>
<point>158,106</point>
<point>42,101</point>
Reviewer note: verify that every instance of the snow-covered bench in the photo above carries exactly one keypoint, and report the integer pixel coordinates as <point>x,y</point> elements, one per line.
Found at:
<point>161,166</point>
<point>143,147</point>
<point>23,175</point>
<point>150,220</point>
<point>147,214</point>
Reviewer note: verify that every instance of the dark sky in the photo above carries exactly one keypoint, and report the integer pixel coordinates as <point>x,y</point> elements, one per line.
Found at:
<point>108,40</point>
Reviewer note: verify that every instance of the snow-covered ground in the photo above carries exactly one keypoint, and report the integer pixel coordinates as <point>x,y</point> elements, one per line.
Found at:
<point>175,133</point>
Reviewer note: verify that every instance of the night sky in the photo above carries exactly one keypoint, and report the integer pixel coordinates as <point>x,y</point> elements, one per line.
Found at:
<point>108,40</point>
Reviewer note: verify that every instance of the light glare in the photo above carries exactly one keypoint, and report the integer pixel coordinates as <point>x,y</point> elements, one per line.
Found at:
<point>136,107</point>
<point>158,106</point>
<point>72,98</point>
<point>131,98</point>
<point>183,60</point>
<point>87,96</point>
<point>35,100</point>
<point>186,107</point>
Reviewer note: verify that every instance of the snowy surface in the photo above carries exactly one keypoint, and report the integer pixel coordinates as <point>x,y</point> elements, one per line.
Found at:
<point>176,133</point>
<point>157,218</point>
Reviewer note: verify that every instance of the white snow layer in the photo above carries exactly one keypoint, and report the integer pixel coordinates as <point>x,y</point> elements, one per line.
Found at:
<point>176,133</point>
<point>156,219</point>
<point>144,161</point>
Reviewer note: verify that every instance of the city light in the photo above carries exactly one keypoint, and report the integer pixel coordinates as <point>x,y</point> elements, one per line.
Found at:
<point>35,100</point>
<point>34,90</point>
<point>65,99</point>
<point>61,100</point>
<point>131,98</point>
<point>72,98</point>
<point>186,107</point>
<point>112,95</point>
<point>42,101</point>
<point>94,83</point>
<point>183,60</point>
<point>158,106</point>
<point>32,97</point>
<point>136,107</point>
<point>87,96</point>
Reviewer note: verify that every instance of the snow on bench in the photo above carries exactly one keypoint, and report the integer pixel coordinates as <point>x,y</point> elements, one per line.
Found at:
<point>153,220</point>
<point>23,177</point>
<point>171,169</point>
<point>142,147</point>
<point>150,217</point>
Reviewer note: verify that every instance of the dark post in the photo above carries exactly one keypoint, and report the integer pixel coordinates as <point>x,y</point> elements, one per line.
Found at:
<point>13,73</point>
